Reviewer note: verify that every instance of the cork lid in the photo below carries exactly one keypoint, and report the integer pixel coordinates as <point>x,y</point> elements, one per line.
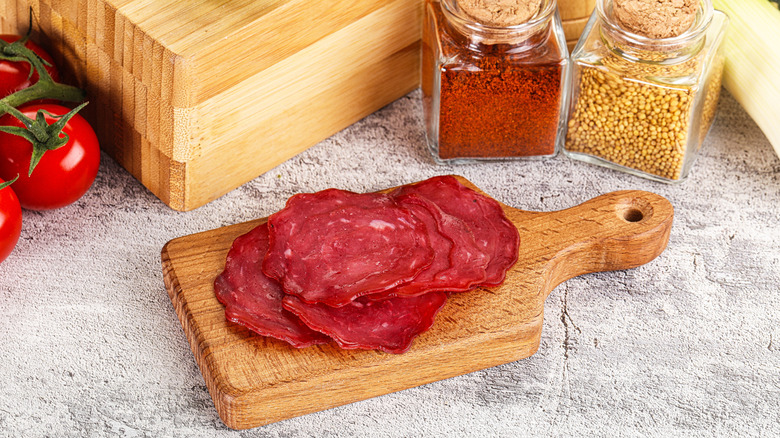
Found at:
<point>656,18</point>
<point>500,13</point>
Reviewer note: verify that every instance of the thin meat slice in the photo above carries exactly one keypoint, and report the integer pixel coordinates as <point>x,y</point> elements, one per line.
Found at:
<point>458,263</point>
<point>389,325</point>
<point>254,300</point>
<point>333,246</point>
<point>494,233</point>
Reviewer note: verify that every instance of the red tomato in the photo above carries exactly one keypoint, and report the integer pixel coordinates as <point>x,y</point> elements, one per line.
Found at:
<point>63,175</point>
<point>10,221</point>
<point>14,74</point>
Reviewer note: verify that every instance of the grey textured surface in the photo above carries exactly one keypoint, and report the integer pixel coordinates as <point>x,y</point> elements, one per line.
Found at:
<point>688,345</point>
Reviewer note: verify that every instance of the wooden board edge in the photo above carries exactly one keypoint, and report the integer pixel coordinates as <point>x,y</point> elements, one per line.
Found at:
<point>222,396</point>
<point>239,410</point>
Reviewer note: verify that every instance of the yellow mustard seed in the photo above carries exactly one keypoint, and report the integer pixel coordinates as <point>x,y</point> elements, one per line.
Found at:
<point>622,118</point>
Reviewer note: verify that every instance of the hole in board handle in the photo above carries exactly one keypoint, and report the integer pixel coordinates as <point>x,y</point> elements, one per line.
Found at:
<point>634,210</point>
<point>633,215</point>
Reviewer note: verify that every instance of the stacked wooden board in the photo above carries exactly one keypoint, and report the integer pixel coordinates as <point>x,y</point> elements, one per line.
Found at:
<point>195,97</point>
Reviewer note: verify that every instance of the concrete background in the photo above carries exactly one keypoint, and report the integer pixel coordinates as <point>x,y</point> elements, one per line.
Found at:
<point>688,345</point>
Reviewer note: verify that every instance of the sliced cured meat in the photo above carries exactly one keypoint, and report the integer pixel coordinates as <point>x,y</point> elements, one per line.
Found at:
<point>458,262</point>
<point>389,325</point>
<point>254,300</point>
<point>370,271</point>
<point>493,232</point>
<point>333,246</point>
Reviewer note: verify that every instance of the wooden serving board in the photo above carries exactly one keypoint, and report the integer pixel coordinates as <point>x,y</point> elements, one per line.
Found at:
<point>255,380</point>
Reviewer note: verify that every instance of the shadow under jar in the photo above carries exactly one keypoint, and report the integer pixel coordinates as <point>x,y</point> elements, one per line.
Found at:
<point>493,92</point>
<point>644,105</point>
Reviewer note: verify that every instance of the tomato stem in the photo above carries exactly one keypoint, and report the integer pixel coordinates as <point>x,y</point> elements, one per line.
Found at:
<point>8,183</point>
<point>45,88</point>
<point>43,136</point>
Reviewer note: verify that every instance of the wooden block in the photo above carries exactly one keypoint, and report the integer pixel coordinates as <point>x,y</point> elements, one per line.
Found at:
<point>572,29</point>
<point>575,9</point>
<point>210,85</point>
<point>255,380</point>
<point>571,44</point>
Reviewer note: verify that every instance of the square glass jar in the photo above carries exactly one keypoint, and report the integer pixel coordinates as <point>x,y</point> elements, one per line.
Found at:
<point>643,105</point>
<point>493,93</point>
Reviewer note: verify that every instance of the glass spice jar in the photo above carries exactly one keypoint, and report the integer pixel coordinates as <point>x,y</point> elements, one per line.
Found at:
<point>644,105</point>
<point>493,92</point>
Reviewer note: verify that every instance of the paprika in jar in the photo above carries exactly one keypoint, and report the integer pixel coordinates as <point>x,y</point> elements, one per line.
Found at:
<point>494,79</point>
<point>646,81</point>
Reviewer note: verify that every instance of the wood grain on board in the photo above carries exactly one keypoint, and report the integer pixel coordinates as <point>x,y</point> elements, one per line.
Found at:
<point>255,380</point>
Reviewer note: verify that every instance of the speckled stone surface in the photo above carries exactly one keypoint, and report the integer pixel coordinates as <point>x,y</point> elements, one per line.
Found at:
<point>687,345</point>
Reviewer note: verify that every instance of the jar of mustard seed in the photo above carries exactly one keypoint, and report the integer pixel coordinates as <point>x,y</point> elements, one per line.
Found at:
<point>494,79</point>
<point>645,90</point>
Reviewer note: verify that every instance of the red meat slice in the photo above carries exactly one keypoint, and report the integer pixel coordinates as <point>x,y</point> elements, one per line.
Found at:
<point>494,233</point>
<point>389,325</point>
<point>333,246</point>
<point>458,263</point>
<point>254,300</point>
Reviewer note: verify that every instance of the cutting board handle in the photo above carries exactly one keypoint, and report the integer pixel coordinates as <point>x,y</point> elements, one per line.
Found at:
<point>615,231</point>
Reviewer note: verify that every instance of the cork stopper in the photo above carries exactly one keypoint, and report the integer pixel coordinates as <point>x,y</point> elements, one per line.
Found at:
<point>655,18</point>
<point>500,13</point>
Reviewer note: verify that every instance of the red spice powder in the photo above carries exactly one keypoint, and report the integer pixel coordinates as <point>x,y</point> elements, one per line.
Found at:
<point>496,101</point>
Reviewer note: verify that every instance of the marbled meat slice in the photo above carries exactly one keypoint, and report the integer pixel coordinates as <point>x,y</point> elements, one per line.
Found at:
<point>458,263</point>
<point>254,300</point>
<point>389,325</point>
<point>333,246</point>
<point>494,233</point>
